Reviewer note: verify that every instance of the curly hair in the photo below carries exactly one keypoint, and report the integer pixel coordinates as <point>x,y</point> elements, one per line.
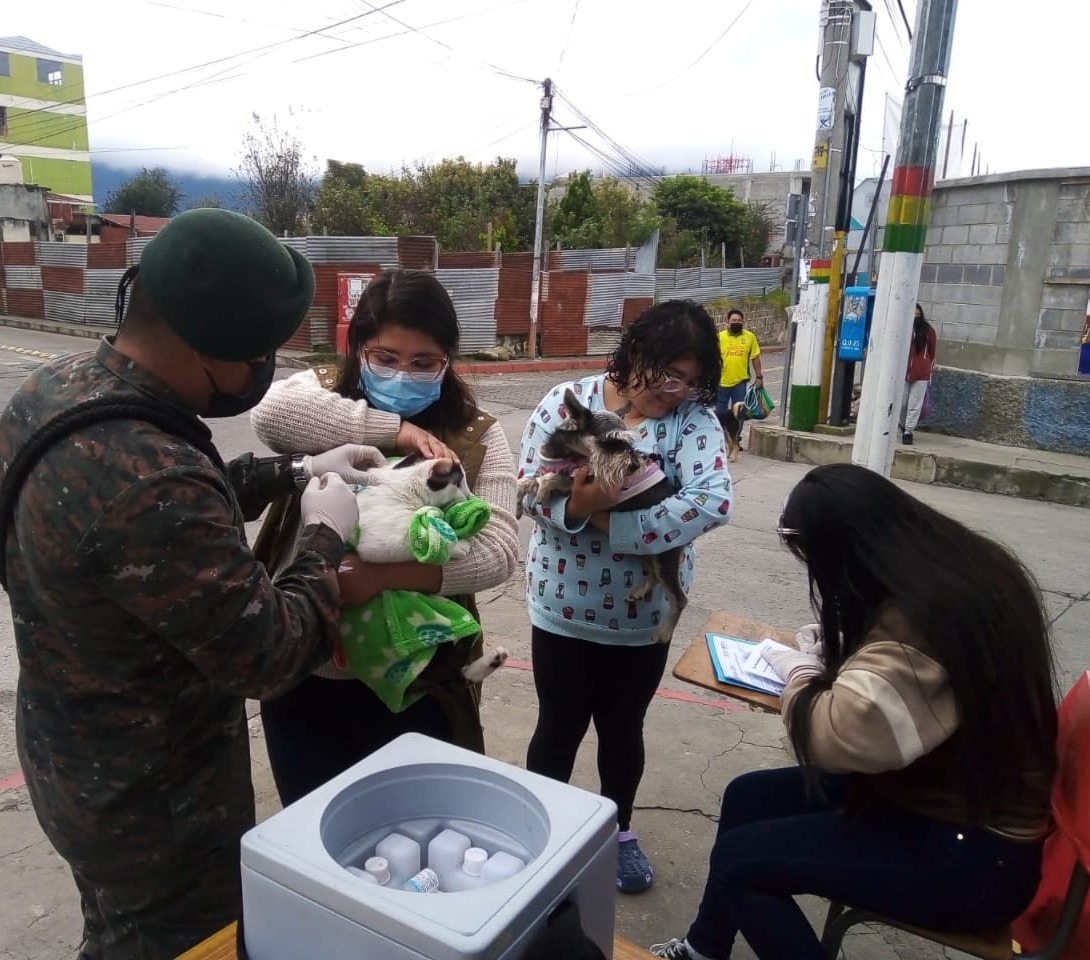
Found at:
<point>660,336</point>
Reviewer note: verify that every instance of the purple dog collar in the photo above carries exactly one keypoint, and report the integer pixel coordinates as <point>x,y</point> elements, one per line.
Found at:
<point>548,465</point>
<point>638,483</point>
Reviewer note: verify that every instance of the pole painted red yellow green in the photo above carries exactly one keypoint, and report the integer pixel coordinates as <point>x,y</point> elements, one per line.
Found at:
<point>909,210</point>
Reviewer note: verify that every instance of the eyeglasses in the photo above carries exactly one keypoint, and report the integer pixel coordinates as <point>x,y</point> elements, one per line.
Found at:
<point>424,367</point>
<point>671,386</point>
<point>783,531</point>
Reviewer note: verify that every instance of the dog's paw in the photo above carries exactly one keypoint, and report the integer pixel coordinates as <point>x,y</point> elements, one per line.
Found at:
<point>642,591</point>
<point>662,635</point>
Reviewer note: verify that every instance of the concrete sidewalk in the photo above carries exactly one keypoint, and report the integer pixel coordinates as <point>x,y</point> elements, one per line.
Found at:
<point>948,461</point>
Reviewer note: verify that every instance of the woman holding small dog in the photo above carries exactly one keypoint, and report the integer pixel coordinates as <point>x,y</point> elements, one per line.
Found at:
<point>595,653</point>
<point>922,714</point>
<point>396,390</point>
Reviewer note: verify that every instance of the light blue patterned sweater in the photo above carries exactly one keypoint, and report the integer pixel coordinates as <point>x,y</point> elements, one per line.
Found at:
<point>576,575</point>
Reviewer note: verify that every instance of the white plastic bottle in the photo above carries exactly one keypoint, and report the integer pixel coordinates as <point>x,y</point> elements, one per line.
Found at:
<point>468,877</point>
<point>402,856</point>
<point>446,852</point>
<point>500,866</point>
<point>425,881</point>
<point>362,874</point>
<point>379,868</point>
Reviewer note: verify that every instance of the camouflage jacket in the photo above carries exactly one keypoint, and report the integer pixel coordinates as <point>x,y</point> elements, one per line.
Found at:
<point>143,622</point>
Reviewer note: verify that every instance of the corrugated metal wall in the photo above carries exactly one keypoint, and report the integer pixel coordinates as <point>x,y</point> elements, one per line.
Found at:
<point>474,293</point>
<point>706,285</point>
<point>587,295</point>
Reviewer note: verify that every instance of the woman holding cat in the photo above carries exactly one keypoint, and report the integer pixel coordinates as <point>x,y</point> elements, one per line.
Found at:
<point>594,653</point>
<point>396,390</point>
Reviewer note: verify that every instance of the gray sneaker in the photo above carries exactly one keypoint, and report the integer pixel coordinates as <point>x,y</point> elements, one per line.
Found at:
<point>672,950</point>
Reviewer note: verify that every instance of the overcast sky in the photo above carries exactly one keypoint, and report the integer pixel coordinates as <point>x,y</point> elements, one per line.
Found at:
<point>422,79</point>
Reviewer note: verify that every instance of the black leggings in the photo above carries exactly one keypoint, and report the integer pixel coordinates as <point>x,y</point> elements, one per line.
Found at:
<point>578,681</point>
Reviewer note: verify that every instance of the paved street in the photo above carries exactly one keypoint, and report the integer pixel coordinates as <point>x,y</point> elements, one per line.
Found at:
<point>696,741</point>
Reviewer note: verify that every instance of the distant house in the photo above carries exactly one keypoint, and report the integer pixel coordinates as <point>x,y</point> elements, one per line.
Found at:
<point>118,227</point>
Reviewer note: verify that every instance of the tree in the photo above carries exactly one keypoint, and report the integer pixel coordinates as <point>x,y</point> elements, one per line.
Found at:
<point>699,218</point>
<point>278,182</point>
<point>603,214</point>
<point>150,193</point>
<point>209,200</point>
<point>756,230</point>
<point>454,201</point>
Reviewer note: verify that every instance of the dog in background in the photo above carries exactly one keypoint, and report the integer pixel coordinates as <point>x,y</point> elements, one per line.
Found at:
<point>603,443</point>
<point>387,504</point>
<point>732,420</point>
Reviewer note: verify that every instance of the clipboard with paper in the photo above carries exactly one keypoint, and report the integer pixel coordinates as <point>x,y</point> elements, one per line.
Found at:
<point>740,663</point>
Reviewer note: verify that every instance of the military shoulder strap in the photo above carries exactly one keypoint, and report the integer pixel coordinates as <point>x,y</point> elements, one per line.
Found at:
<point>92,411</point>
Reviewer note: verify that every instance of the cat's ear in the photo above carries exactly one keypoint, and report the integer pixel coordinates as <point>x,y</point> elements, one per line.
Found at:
<point>578,415</point>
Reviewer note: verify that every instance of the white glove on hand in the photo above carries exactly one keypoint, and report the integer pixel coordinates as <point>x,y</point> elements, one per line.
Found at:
<point>349,462</point>
<point>808,640</point>
<point>788,662</point>
<point>328,500</point>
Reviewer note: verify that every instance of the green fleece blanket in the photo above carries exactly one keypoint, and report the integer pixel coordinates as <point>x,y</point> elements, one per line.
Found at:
<point>389,640</point>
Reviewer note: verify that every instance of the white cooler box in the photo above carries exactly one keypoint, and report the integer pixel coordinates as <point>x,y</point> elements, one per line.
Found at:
<point>300,901</point>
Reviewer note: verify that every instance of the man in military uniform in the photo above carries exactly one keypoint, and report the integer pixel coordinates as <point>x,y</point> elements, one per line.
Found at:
<point>142,620</point>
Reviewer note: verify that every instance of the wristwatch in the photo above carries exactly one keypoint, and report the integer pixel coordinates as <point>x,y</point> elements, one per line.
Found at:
<point>299,470</point>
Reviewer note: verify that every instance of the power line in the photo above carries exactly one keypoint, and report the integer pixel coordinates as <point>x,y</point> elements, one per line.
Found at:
<point>260,52</point>
<point>438,23</point>
<point>212,63</point>
<point>226,16</point>
<point>730,26</point>
<point>908,26</point>
<point>567,39</point>
<point>638,165</point>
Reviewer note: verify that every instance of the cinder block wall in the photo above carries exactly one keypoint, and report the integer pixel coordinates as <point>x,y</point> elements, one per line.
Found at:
<point>1006,282</point>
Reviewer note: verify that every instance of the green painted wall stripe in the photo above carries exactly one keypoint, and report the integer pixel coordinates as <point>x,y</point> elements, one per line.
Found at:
<point>803,407</point>
<point>905,238</point>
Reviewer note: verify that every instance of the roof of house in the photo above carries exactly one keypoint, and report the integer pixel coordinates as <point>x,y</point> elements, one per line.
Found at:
<point>143,224</point>
<point>26,45</point>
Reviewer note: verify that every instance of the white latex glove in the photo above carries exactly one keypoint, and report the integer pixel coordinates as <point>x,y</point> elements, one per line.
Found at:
<point>808,640</point>
<point>328,500</point>
<point>789,662</point>
<point>349,461</point>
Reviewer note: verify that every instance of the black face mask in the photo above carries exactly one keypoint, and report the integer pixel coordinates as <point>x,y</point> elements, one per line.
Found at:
<point>232,404</point>
<point>736,328</point>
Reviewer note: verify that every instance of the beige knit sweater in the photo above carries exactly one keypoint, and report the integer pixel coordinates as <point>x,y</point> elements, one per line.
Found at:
<point>299,415</point>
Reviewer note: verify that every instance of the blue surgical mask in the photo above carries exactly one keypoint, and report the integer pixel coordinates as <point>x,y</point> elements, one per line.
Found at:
<point>398,394</point>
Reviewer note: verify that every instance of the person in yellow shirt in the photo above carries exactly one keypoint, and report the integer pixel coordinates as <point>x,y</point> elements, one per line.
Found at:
<point>739,348</point>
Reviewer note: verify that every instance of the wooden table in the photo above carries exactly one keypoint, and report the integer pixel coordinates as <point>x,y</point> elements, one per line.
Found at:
<point>221,946</point>
<point>695,665</point>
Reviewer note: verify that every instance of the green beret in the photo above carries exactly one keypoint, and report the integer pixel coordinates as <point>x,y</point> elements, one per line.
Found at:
<point>225,284</point>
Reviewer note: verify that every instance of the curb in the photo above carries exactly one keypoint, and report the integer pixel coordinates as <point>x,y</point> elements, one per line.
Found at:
<point>920,466</point>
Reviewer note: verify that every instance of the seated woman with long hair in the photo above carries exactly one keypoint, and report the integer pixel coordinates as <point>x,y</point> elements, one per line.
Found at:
<point>921,709</point>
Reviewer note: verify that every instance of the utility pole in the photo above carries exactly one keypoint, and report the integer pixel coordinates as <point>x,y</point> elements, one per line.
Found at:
<point>906,233</point>
<point>839,375</point>
<point>809,399</point>
<point>539,221</point>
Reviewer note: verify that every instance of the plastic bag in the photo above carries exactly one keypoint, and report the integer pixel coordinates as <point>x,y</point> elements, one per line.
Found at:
<point>758,403</point>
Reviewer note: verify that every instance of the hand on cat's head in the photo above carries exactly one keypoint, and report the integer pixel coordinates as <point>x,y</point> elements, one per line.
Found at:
<point>414,439</point>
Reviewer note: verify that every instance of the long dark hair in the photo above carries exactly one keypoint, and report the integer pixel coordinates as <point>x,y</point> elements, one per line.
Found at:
<point>661,335</point>
<point>416,300</point>
<point>869,547</point>
<point>920,326</point>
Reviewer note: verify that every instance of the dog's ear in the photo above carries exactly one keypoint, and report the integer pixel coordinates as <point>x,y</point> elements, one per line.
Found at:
<point>580,417</point>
